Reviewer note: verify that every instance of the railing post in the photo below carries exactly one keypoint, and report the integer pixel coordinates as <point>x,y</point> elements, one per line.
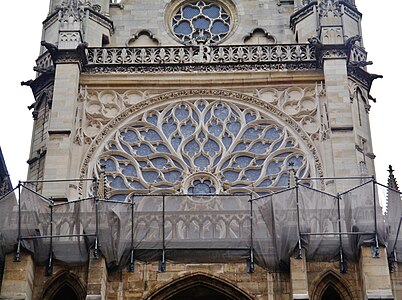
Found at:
<point>17,256</point>
<point>376,250</point>
<point>132,258</point>
<point>298,254</point>
<point>162,262</point>
<point>250,260</point>
<point>342,263</point>
<point>96,200</point>
<point>49,267</point>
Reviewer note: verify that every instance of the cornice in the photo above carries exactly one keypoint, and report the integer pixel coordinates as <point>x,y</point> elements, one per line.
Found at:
<point>302,13</point>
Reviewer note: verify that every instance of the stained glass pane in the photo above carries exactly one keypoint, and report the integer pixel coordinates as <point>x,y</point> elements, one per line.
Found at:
<point>202,162</point>
<point>183,28</point>
<point>219,27</point>
<point>213,11</point>
<point>201,23</point>
<point>189,12</point>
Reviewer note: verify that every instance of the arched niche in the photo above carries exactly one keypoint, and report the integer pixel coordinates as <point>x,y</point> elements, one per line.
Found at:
<point>331,293</point>
<point>332,287</point>
<point>65,286</point>
<point>143,38</point>
<point>197,287</point>
<point>259,37</point>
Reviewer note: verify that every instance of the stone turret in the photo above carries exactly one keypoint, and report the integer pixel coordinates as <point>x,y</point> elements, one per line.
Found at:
<point>71,22</point>
<point>331,21</point>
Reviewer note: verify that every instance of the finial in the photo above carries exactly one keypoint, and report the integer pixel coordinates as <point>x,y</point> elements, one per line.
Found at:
<point>391,179</point>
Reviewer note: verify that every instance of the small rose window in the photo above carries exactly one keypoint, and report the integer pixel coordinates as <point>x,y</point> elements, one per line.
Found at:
<point>201,22</point>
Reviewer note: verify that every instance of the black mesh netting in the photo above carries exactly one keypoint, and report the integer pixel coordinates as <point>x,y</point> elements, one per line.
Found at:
<point>216,228</point>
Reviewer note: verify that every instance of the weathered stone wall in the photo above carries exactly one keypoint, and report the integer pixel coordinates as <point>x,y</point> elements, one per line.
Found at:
<point>364,279</point>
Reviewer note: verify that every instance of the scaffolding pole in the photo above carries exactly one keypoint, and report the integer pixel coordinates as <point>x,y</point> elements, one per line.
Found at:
<point>376,252</point>
<point>96,200</point>
<point>162,261</point>
<point>298,254</point>
<point>250,260</point>
<point>49,267</point>
<point>17,256</point>
<point>132,257</point>
<point>342,263</point>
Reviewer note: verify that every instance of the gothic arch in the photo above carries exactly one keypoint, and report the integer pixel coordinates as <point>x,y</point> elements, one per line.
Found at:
<point>143,38</point>
<point>65,282</point>
<point>222,287</point>
<point>259,36</point>
<point>331,281</point>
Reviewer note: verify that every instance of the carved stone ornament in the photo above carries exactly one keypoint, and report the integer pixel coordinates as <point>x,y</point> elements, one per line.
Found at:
<point>202,54</point>
<point>214,133</point>
<point>71,12</point>
<point>330,8</point>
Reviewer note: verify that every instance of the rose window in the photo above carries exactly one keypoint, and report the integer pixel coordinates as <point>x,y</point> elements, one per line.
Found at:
<point>201,21</point>
<point>201,147</point>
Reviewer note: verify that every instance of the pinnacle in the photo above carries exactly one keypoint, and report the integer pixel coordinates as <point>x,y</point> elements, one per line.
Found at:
<point>392,183</point>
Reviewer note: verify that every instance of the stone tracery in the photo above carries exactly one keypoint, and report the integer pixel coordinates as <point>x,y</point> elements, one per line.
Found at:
<point>201,146</point>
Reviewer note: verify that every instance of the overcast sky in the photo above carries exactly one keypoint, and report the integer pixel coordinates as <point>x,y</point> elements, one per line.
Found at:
<point>21,34</point>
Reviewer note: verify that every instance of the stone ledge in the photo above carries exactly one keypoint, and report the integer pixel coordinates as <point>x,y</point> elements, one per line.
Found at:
<point>300,297</point>
<point>379,294</point>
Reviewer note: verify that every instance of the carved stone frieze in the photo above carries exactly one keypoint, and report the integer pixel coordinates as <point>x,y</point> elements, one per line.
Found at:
<point>108,109</point>
<point>203,54</point>
<point>334,53</point>
<point>200,68</point>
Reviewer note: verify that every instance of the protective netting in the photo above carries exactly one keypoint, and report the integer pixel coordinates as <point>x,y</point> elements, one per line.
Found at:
<point>196,228</point>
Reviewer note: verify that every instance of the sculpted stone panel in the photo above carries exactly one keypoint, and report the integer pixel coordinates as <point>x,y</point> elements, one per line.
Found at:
<point>300,103</point>
<point>97,108</point>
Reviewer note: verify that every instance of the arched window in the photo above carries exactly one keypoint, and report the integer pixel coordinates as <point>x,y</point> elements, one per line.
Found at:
<point>66,292</point>
<point>197,287</point>
<point>331,294</point>
<point>64,286</point>
<point>332,287</point>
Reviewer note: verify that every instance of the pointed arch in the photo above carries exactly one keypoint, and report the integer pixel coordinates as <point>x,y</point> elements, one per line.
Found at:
<point>199,281</point>
<point>259,36</point>
<point>67,284</point>
<point>143,38</point>
<point>332,284</point>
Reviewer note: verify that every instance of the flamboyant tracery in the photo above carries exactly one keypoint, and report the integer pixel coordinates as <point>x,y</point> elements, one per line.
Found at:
<point>201,147</point>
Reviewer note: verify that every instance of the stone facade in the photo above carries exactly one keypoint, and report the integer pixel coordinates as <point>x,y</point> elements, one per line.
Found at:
<point>157,97</point>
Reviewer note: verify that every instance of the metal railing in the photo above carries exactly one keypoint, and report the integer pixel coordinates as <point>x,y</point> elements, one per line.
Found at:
<point>243,215</point>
